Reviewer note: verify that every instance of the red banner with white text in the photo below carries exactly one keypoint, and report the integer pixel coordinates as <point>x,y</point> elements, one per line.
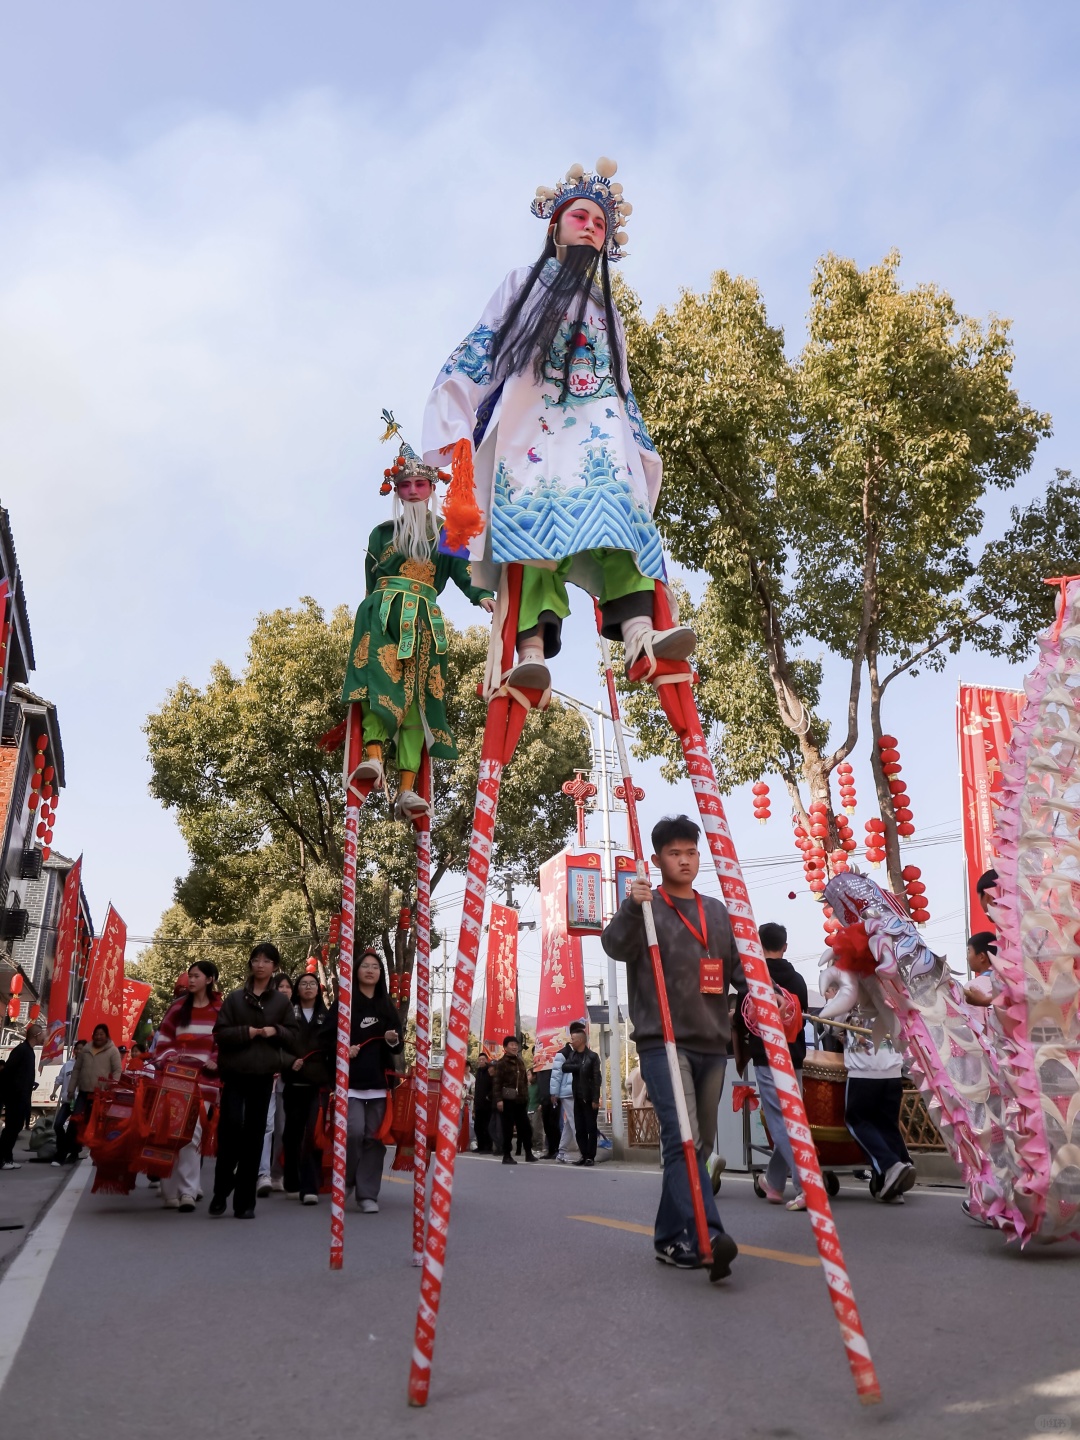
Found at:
<point>562,974</point>
<point>500,997</point>
<point>136,994</point>
<point>104,1004</point>
<point>67,931</point>
<point>984,720</point>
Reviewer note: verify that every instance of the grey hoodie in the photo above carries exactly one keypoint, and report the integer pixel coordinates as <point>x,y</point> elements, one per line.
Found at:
<point>701,1022</point>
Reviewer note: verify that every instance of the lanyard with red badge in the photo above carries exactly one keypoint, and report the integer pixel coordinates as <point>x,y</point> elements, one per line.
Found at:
<point>712,970</point>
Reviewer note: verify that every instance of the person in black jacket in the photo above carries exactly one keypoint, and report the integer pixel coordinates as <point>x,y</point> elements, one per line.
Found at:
<point>307,1082</point>
<point>374,1040</point>
<point>583,1065</point>
<point>16,1092</point>
<point>256,1039</point>
<point>784,976</point>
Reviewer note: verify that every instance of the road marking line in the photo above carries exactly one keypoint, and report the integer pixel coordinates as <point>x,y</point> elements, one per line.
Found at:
<point>398,1179</point>
<point>788,1257</point>
<point>22,1284</point>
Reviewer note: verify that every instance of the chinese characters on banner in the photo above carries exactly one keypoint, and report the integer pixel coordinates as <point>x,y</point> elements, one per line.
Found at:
<point>136,994</point>
<point>60,984</point>
<point>500,1004</point>
<point>625,871</point>
<point>984,719</point>
<point>562,975</point>
<point>105,987</point>
<point>584,892</point>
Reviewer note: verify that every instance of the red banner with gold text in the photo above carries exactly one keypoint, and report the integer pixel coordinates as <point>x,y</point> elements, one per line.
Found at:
<point>984,720</point>
<point>500,1000</point>
<point>60,985</point>
<point>105,987</point>
<point>562,974</point>
<point>136,994</point>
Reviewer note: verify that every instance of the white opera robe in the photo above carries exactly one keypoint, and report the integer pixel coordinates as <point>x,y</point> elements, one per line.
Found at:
<point>555,478</point>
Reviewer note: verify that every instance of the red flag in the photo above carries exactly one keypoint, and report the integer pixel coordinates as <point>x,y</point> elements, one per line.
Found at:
<point>136,994</point>
<point>500,1005</point>
<point>105,988</point>
<point>562,974</point>
<point>7,614</point>
<point>66,935</point>
<point>984,720</point>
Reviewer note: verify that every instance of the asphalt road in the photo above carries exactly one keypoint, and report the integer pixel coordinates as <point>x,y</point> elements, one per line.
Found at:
<point>552,1324</point>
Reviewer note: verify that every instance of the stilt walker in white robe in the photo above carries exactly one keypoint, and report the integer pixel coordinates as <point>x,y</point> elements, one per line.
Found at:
<point>565,478</point>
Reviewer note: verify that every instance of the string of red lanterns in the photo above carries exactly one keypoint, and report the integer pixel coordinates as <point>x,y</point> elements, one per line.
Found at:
<point>761,802</point>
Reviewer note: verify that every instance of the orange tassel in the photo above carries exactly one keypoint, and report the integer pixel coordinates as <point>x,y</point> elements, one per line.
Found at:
<point>462,516</point>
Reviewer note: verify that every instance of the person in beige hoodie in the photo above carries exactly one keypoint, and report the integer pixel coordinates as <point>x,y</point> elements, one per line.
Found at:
<point>98,1064</point>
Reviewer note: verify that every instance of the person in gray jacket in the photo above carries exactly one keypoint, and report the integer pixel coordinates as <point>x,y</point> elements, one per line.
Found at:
<point>700,964</point>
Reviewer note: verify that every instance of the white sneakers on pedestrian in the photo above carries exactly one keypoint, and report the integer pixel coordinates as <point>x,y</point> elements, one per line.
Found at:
<point>186,1204</point>
<point>309,1199</point>
<point>263,1188</point>
<point>369,1207</point>
<point>170,1204</point>
<point>897,1179</point>
<point>277,1184</point>
<point>11,1165</point>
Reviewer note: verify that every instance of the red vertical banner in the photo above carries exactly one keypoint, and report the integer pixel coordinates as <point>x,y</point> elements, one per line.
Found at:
<point>67,932</point>
<point>104,1003</point>
<point>984,721</point>
<point>136,994</point>
<point>500,1004</point>
<point>562,974</point>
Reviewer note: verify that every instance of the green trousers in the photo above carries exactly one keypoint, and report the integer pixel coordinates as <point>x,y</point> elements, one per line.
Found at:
<point>409,739</point>
<point>544,603</point>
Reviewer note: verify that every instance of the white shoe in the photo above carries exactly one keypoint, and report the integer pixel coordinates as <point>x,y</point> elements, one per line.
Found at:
<point>369,770</point>
<point>893,1182</point>
<point>263,1187</point>
<point>679,643</point>
<point>11,1165</point>
<point>369,1207</point>
<point>56,1163</point>
<point>529,674</point>
<point>310,1200</point>
<point>186,1204</point>
<point>277,1184</point>
<point>170,1204</point>
<point>410,806</point>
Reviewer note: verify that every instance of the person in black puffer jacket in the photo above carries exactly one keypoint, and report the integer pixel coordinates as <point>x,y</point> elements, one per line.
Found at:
<point>375,1038</point>
<point>584,1065</point>
<point>256,1038</point>
<point>307,1082</point>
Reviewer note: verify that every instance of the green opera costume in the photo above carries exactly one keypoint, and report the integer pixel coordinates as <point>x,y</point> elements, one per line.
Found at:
<point>397,669</point>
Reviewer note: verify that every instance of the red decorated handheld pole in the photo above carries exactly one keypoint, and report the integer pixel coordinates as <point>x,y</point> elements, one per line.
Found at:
<point>423,1012</point>
<point>672,684</point>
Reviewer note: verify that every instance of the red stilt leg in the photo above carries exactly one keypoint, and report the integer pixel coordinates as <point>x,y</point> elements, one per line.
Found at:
<point>505,719</point>
<point>677,700</point>
<point>423,1011</point>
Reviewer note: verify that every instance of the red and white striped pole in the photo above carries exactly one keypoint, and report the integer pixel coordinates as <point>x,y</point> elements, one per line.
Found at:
<point>686,1134</point>
<point>354,798</point>
<point>678,703</point>
<point>423,1014</point>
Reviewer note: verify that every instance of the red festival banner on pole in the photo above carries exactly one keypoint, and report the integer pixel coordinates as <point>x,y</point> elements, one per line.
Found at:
<point>136,994</point>
<point>500,1004</point>
<point>59,987</point>
<point>562,974</point>
<point>984,721</point>
<point>105,987</point>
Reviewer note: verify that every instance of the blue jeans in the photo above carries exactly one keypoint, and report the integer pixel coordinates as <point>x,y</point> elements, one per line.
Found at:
<point>782,1160</point>
<point>703,1082</point>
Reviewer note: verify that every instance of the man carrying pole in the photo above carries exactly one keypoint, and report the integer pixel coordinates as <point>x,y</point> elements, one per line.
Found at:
<point>700,964</point>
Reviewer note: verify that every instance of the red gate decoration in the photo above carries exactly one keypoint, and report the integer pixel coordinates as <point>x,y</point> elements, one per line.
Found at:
<point>105,988</point>
<point>500,1004</point>
<point>60,984</point>
<point>984,720</point>
<point>584,893</point>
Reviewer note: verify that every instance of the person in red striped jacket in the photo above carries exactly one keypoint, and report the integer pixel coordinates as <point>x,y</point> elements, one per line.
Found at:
<point>187,1032</point>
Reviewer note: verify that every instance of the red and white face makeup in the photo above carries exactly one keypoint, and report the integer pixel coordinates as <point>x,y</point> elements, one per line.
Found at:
<point>413,489</point>
<point>582,223</point>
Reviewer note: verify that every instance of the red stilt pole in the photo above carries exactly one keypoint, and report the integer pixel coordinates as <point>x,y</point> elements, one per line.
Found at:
<point>423,1011</point>
<point>686,1135</point>
<point>505,719</point>
<point>354,799</point>
<point>671,682</point>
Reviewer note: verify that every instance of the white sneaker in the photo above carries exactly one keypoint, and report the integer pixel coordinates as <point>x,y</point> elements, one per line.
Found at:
<point>56,1163</point>
<point>679,643</point>
<point>11,1165</point>
<point>312,1200</point>
<point>371,770</point>
<point>170,1204</point>
<point>263,1187</point>
<point>893,1181</point>
<point>410,806</point>
<point>187,1204</point>
<point>277,1184</point>
<point>369,1207</point>
<point>530,675</point>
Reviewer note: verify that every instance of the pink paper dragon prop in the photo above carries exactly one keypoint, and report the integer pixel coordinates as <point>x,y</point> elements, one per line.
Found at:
<point>1006,1097</point>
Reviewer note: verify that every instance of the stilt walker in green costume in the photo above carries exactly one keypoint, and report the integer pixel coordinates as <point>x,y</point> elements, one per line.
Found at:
<point>397,665</point>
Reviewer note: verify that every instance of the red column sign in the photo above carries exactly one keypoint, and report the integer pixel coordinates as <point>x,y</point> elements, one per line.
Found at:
<point>105,987</point>
<point>984,718</point>
<point>136,994</point>
<point>60,984</point>
<point>500,1004</point>
<point>562,975</point>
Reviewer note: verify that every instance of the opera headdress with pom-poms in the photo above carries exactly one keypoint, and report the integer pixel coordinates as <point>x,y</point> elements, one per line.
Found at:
<point>408,462</point>
<point>599,187</point>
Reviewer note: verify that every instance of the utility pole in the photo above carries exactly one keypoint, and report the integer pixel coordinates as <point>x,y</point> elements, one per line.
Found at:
<point>618,1128</point>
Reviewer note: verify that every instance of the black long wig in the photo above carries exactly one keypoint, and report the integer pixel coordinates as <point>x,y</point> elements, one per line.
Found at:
<point>566,289</point>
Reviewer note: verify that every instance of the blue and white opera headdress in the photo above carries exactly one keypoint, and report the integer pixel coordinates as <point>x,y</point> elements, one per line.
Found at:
<point>579,184</point>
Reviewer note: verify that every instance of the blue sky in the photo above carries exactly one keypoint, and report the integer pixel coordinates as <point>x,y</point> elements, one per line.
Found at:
<point>230,235</point>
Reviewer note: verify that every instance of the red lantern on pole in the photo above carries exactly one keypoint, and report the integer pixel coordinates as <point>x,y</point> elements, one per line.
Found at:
<point>16,984</point>
<point>14,1009</point>
<point>42,742</point>
<point>46,852</point>
<point>33,1012</point>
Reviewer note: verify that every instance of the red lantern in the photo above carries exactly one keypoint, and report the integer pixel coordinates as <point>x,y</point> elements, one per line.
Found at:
<point>905,828</point>
<point>892,768</point>
<point>46,792</point>
<point>39,762</point>
<point>875,823</point>
<point>33,1012</point>
<point>849,843</point>
<point>16,984</point>
<point>895,785</point>
<point>911,872</point>
<point>920,916</point>
<point>903,814</point>
<point>42,827</point>
<point>760,788</point>
<point>915,887</point>
<point>888,755</point>
<point>888,742</point>
<point>48,772</point>
<point>48,837</point>
<point>311,966</point>
<point>32,801</point>
<point>14,1008</point>
<point>35,781</point>
<point>45,853</point>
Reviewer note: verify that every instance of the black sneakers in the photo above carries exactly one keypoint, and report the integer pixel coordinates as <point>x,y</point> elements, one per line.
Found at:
<point>217,1205</point>
<point>683,1257</point>
<point>724,1251</point>
<point>509,1160</point>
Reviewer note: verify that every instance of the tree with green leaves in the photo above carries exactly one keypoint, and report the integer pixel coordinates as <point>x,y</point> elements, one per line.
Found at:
<point>259,802</point>
<point>833,501</point>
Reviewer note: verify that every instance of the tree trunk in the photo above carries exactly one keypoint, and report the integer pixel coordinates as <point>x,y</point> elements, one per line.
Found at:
<point>886,810</point>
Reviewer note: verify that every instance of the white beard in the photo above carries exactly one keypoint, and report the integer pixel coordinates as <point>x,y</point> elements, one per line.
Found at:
<point>416,526</point>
